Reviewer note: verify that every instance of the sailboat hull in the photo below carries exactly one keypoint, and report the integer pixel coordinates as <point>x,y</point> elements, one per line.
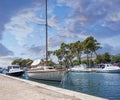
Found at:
<point>47,75</point>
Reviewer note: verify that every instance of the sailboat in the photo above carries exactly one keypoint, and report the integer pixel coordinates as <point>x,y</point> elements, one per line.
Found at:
<point>45,72</point>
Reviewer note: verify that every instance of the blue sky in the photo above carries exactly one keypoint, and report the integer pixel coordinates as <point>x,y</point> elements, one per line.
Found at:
<point>22,26</point>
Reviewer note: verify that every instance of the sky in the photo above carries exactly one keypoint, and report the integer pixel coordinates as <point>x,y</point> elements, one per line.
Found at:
<point>22,26</point>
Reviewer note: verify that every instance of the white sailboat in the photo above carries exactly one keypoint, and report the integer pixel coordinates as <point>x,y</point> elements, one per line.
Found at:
<point>46,72</point>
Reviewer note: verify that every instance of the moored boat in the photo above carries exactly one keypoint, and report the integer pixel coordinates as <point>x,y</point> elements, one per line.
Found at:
<point>14,70</point>
<point>46,73</point>
<point>108,68</point>
<point>80,68</point>
<point>1,69</point>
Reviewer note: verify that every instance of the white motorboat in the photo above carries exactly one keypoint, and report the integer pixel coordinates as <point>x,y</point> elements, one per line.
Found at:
<point>108,68</point>
<point>14,70</point>
<point>79,68</point>
<point>46,73</point>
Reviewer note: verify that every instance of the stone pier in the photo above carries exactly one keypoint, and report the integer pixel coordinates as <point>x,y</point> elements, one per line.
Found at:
<point>12,88</point>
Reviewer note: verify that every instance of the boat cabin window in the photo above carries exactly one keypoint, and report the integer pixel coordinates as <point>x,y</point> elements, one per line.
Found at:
<point>108,65</point>
<point>102,66</point>
<point>16,67</point>
<point>13,67</point>
<point>9,67</point>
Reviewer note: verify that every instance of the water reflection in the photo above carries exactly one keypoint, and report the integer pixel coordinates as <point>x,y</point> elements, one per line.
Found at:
<point>98,84</point>
<point>104,85</point>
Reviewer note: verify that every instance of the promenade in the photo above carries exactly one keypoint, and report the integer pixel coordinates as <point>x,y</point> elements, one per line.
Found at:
<point>12,88</point>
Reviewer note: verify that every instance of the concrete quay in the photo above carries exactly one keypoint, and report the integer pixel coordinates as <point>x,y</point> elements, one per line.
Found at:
<point>12,88</point>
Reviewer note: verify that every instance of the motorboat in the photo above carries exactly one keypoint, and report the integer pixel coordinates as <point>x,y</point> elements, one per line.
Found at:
<point>108,68</point>
<point>14,70</point>
<point>46,73</point>
<point>1,69</point>
<point>79,68</point>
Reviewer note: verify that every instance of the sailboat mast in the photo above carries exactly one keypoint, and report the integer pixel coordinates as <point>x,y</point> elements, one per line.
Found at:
<point>46,32</point>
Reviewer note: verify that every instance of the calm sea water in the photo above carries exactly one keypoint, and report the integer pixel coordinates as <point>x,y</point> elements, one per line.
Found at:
<point>99,84</point>
<point>104,85</point>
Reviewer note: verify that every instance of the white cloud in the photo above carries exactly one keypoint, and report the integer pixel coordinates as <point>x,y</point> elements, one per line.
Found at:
<point>22,25</point>
<point>82,15</point>
<point>65,36</point>
<point>112,21</point>
<point>70,3</point>
<point>114,17</point>
<point>113,41</point>
<point>6,60</point>
<point>52,21</point>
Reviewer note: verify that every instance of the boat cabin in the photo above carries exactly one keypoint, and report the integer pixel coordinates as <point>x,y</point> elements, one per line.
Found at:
<point>104,65</point>
<point>13,68</point>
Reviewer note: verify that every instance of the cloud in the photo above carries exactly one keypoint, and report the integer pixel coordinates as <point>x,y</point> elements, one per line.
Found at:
<point>65,37</point>
<point>34,51</point>
<point>9,9</point>
<point>4,51</point>
<point>7,60</point>
<point>6,56</point>
<point>115,17</point>
<point>99,18</point>
<point>113,21</point>
<point>92,16</point>
<point>19,28</point>
<point>23,24</point>
<point>109,48</point>
<point>110,45</point>
<point>106,48</point>
<point>52,21</point>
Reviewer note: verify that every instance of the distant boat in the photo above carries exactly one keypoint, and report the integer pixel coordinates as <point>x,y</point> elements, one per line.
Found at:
<point>1,69</point>
<point>79,68</point>
<point>14,70</point>
<point>46,73</point>
<point>108,68</point>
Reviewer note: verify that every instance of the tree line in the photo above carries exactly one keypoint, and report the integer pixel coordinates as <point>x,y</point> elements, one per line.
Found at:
<point>68,53</point>
<point>71,54</point>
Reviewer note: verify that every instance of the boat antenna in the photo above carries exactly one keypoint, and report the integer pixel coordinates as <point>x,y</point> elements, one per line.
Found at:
<point>46,32</point>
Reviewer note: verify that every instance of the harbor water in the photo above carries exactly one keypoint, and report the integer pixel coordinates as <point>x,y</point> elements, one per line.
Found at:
<point>104,85</point>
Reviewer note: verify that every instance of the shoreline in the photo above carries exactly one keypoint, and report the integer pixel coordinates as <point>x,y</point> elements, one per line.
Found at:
<point>13,87</point>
